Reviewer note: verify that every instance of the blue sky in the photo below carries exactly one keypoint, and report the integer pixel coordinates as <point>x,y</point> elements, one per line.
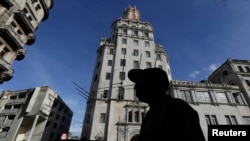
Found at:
<point>198,36</point>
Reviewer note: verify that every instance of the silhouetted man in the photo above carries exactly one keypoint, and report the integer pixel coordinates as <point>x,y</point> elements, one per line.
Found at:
<point>168,119</point>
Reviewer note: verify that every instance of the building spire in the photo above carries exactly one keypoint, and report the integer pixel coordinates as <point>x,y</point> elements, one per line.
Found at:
<point>131,13</point>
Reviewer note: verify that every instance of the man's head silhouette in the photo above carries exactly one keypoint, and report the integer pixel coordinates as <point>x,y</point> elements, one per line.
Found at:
<point>150,84</point>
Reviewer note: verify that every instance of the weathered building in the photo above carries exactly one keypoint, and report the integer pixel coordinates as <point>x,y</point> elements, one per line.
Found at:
<point>112,100</point>
<point>216,104</point>
<point>32,115</point>
<point>234,72</point>
<point>18,21</point>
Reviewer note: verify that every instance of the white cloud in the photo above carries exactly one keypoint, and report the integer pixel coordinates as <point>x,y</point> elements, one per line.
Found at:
<point>205,71</point>
<point>194,74</point>
<point>211,68</point>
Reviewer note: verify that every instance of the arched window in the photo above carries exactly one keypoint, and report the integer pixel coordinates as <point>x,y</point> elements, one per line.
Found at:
<point>240,68</point>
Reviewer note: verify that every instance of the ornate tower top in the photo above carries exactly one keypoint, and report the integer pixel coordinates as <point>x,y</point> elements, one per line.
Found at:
<point>131,13</point>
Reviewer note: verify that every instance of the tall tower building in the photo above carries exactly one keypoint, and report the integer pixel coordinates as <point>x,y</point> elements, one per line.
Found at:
<point>113,111</point>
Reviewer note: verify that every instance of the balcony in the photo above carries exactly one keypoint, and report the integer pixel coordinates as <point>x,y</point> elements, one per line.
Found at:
<point>4,65</point>
<point>11,37</point>
<point>24,22</point>
<point>9,111</point>
<point>16,101</point>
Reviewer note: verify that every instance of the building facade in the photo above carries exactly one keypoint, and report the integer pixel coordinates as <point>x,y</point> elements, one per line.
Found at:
<point>33,114</point>
<point>113,111</point>
<point>234,72</point>
<point>18,21</point>
<point>216,103</point>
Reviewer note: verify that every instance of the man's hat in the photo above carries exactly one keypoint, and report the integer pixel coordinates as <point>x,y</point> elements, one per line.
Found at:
<point>154,77</point>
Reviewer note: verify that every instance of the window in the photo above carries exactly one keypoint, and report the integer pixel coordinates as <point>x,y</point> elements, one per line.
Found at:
<point>11,117</point>
<point>225,72</point>
<point>247,68</point>
<point>122,75</point>
<point>234,121</point>
<point>137,116</point>
<point>130,116</point>
<point>203,97</point>
<point>136,52</point>
<point>124,41</point>
<point>120,93</point>
<point>214,120</point>
<point>33,1</point>
<point>18,106</point>
<point>111,51</point>
<point>247,119</point>
<point>123,62</point>
<point>158,57</point>
<point>105,94</point>
<point>110,62</point>
<point>13,97</point>
<point>248,82</point>
<point>4,51</point>
<point>98,65</point>
<point>147,53</point>
<point>7,107</point>
<point>124,51</point>
<point>136,42</point>
<point>238,98</point>
<point>136,33</point>
<point>136,65</point>
<point>38,7</point>
<point>231,120</point>
<point>108,76</point>
<point>240,69</point>
<point>221,97</point>
<point>22,96</point>
<point>147,44</point>
<point>186,95</point>
<point>88,119</point>
<point>148,64</point>
<point>102,118</point>
<point>146,34</point>
<point>100,53</point>
<point>125,31</point>
<point>211,119</point>
<point>208,119</point>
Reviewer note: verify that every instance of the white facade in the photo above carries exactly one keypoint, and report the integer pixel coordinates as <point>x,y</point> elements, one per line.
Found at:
<point>113,111</point>
<point>216,104</point>
<point>33,115</point>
